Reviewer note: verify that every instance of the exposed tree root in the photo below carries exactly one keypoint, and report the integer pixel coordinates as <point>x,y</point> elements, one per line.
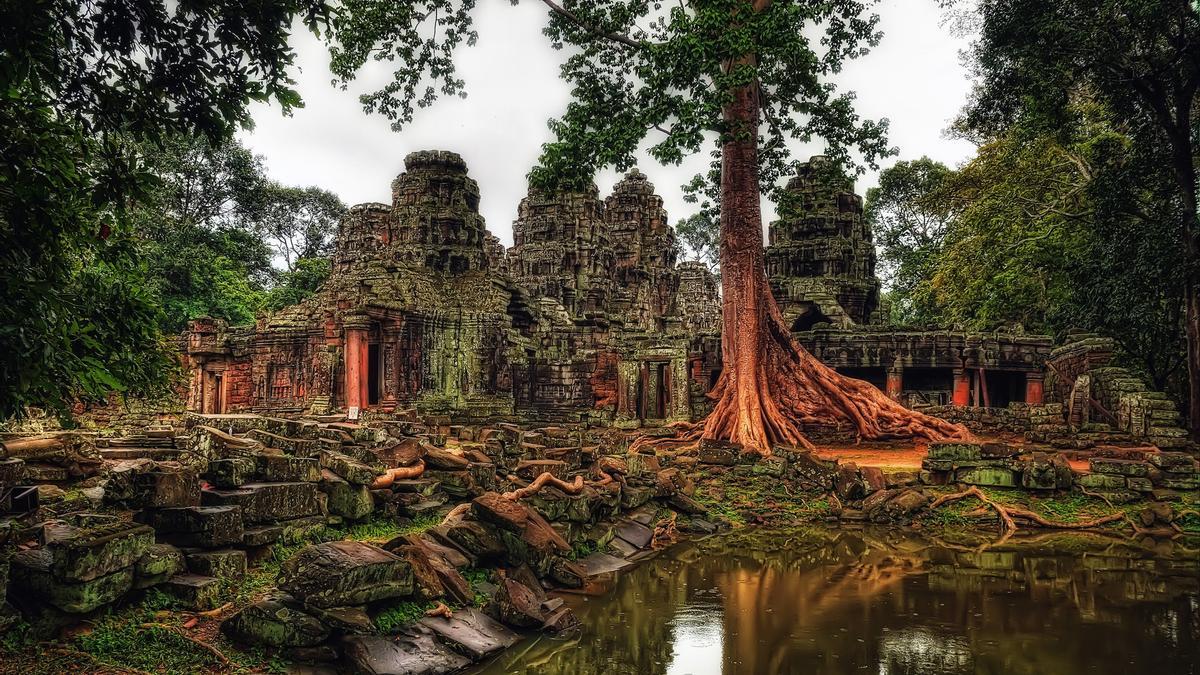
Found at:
<point>546,478</point>
<point>456,513</point>
<point>217,654</point>
<point>440,610</point>
<point>399,473</point>
<point>664,532</point>
<point>216,612</point>
<point>1009,514</point>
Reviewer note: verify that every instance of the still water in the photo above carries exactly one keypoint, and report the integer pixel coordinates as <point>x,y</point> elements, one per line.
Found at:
<point>885,602</point>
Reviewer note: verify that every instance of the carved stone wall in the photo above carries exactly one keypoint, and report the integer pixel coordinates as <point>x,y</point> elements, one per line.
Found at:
<point>644,253</point>
<point>820,259</point>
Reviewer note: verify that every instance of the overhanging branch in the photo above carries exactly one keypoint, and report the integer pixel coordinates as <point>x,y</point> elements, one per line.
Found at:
<point>573,18</point>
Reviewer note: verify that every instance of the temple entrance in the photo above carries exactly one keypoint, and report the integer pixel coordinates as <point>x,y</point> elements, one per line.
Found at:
<point>876,375</point>
<point>662,394</point>
<point>1000,387</point>
<point>374,374</point>
<point>218,401</point>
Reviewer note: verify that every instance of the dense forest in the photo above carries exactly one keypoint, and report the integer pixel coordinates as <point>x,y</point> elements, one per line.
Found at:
<point>127,208</point>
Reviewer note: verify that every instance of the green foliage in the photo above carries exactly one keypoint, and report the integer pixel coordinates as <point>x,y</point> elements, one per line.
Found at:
<point>637,68</point>
<point>120,640</point>
<point>701,234</point>
<point>382,529</point>
<point>909,213</point>
<point>401,614</point>
<point>76,318</point>
<point>296,284</point>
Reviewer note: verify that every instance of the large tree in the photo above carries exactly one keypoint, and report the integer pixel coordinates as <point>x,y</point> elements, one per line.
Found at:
<point>700,73</point>
<point>1140,59</point>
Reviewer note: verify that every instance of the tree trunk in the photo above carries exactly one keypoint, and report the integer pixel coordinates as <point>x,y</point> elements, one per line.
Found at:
<point>770,387</point>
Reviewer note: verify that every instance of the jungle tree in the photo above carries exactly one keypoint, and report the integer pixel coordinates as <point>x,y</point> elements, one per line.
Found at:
<point>692,73</point>
<point>1139,58</point>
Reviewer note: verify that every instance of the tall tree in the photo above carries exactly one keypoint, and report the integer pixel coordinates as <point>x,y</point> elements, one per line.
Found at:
<point>909,213</point>
<point>697,72</point>
<point>701,234</point>
<point>1140,58</point>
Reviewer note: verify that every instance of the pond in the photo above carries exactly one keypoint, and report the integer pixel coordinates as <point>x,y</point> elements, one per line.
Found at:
<point>884,602</point>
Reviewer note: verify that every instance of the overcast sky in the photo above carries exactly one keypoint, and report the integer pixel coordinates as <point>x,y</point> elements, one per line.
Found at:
<point>913,78</point>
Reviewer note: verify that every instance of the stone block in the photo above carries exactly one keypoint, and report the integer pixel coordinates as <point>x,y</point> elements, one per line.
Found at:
<point>288,469</point>
<point>230,473</point>
<point>267,502</point>
<point>1101,481</point>
<point>203,526</point>
<point>1175,462</point>
<point>159,563</point>
<point>988,476</point>
<point>343,573</point>
<point>353,502</point>
<point>414,652</point>
<point>277,620</point>
<point>348,468</point>
<point>165,489</point>
<point>194,591</point>
<point>454,483</point>
<point>532,468</point>
<point>1121,467</point>
<point>223,564</point>
<point>32,576</point>
<point>955,451</point>
<point>86,553</point>
<point>722,453</point>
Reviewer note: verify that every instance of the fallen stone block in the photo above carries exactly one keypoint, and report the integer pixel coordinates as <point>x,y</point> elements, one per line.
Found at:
<point>416,651</point>
<point>955,451</point>
<point>159,563</point>
<point>86,553</point>
<point>988,476</point>
<point>343,573</point>
<point>267,502</point>
<point>230,473</point>
<point>203,526</point>
<point>472,633</point>
<point>517,605</point>
<point>277,621</point>
<point>1120,467</point>
<point>194,591</point>
<point>288,469</point>
<point>224,564</point>
<point>31,575</point>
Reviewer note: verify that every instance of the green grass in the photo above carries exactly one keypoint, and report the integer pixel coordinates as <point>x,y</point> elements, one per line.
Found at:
<point>476,576</point>
<point>380,530</point>
<point>401,614</point>
<point>119,639</point>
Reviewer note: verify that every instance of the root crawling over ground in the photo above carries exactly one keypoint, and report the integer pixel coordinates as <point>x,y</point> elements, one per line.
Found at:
<point>1010,514</point>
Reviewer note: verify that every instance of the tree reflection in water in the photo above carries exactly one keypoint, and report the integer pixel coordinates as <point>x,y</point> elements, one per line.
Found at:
<point>885,602</point>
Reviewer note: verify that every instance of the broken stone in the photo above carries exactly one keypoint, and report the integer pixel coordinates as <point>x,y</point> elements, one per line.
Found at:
<point>562,621</point>
<point>517,605</point>
<point>226,564</point>
<point>276,621</point>
<point>341,573</point>
<point>722,453</point>
<point>472,633</point>
<point>31,575</point>
<point>849,483</point>
<point>993,476</point>
<point>288,469</point>
<point>83,554</point>
<point>204,526</point>
<point>414,652</point>
<point>159,563</point>
<point>230,473</point>
<point>194,591</point>
<point>267,502</point>
<point>1120,467</point>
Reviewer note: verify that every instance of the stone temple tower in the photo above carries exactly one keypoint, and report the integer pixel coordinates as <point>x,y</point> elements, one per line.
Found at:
<point>820,258</point>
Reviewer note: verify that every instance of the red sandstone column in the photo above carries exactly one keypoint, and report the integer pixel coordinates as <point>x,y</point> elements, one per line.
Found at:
<point>1034,388</point>
<point>895,382</point>
<point>356,361</point>
<point>962,387</point>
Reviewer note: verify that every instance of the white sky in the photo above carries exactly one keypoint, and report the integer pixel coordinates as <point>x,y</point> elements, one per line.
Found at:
<point>914,78</point>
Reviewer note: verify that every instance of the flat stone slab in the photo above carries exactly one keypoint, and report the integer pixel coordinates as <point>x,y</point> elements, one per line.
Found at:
<point>413,652</point>
<point>602,563</point>
<point>635,533</point>
<point>267,502</point>
<point>472,633</point>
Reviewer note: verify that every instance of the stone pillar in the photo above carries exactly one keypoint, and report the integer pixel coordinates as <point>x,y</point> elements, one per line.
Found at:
<point>356,369</point>
<point>962,387</point>
<point>895,382</point>
<point>1034,388</point>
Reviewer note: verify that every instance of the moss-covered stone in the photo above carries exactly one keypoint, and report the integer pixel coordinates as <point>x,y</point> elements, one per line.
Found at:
<point>277,621</point>
<point>344,573</point>
<point>82,554</point>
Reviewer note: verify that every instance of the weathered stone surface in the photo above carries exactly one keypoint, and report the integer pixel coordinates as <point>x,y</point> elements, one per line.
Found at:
<point>347,500</point>
<point>532,468</point>
<point>1101,481</point>
<point>722,453</point>
<point>349,468</point>
<point>1176,462</point>
<point>991,476</point>
<point>437,458</point>
<point>413,652</point>
<point>635,533</point>
<point>206,526</point>
<point>230,473</point>
<point>276,621</point>
<point>561,621</point>
<point>159,489</point>
<point>344,573</point>
<point>225,564</point>
<point>517,605</point>
<point>493,508</point>
<point>955,451</point>
<point>685,504</point>
<point>427,582</point>
<point>1120,467</point>
<point>267,502</point>
<point>849,483</point>
<point>83,554</point>
<point>31,574</point>
<point>873,479</point>
<point>1046,472</point>
<point>159,563</point>
<point>288,469</point>
<point>194,591</point>
<point>472,633</point>
<point>454,483</point>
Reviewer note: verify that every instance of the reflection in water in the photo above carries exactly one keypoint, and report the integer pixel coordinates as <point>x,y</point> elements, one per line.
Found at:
<point>886,603</point>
